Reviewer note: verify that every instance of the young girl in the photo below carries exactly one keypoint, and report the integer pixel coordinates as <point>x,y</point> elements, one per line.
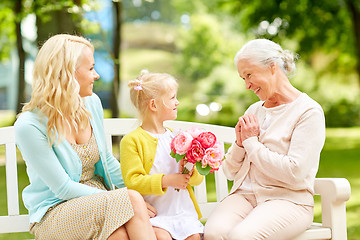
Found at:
<point>146,163</point>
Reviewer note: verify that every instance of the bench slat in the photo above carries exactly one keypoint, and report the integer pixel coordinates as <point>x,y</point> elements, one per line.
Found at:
<point>12,224</point>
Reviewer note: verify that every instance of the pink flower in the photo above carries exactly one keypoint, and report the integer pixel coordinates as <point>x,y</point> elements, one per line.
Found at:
<point>220,146</point>
<point>200,148</point>
<point>181,143</point>
<point>206,139</point>
<point>213,157</point>
<point>196,152</point>
<point>194,131</point>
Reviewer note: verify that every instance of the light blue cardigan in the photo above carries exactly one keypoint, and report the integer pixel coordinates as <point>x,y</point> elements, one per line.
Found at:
<point>54,172</point>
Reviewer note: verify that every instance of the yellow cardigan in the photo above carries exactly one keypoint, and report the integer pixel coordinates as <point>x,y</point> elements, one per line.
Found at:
<point>137,154</point>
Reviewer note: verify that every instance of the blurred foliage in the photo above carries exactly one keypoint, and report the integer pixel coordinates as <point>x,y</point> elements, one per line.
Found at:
<point>42,8</point>
<point>135,60</point>
<point>325,25</point>
<point>201,47</point>
<point>343,114</point>
<point>150,35</point>
<point>7,29</point>
<point>195,41</point>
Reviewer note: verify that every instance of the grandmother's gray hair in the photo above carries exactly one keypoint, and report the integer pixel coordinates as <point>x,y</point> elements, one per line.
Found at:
<point>264,52</point>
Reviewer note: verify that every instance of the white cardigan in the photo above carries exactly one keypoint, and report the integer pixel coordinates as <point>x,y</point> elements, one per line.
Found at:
<point>283,160</point>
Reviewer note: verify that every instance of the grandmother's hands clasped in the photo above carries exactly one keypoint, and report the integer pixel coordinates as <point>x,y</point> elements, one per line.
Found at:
<point>246,127</point>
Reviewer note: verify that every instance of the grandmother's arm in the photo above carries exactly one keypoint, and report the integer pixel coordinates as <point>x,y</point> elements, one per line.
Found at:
<point>303,155</point>
<point>233,162</point>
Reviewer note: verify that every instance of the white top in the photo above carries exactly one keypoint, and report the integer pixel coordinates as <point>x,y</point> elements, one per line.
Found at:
<point>176,211</point>
<point>283,160</point>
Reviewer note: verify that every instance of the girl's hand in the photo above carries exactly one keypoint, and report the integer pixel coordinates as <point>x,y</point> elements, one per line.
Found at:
<point>249,127</point>
<point>175,180</point>
<point>182,163</point>
<point>151,210</point>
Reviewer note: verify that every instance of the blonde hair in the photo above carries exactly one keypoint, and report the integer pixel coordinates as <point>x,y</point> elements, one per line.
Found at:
<point>55,90</point>
<point>264,52</point>
<point>149,86</point>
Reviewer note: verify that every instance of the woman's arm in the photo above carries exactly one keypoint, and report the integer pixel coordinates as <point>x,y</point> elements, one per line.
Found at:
<point>43,163</point>
<point>111,163</point>
<point>234,160</point>
<point>303,154</point>
<point>114,169</point>
<point>235,156</point>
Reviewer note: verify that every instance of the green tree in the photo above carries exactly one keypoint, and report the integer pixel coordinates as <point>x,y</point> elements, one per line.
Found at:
<point>201,47</point>
<point>7,29</point>
<point>53,17</point>
<point>118,10</point>
<point>12,14</point>
<point>326,25</point>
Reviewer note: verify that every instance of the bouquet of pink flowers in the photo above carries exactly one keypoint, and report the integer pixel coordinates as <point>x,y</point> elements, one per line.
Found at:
<point>198,147</point>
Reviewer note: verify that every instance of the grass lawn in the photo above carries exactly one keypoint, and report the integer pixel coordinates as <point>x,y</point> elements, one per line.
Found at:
<point>339,158</point>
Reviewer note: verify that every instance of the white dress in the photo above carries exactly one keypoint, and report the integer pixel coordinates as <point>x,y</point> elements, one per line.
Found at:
<point>175,210</point>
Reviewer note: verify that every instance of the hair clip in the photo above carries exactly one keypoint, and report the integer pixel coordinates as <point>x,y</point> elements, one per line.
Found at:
<point>138,87</point>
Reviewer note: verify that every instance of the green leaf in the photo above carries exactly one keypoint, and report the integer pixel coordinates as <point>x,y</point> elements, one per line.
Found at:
<point>203,171</point>
<point>177,157</point>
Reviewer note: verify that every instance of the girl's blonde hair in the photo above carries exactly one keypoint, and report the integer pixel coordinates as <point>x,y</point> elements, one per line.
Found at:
<point>149,86</point>
<point>55,90</point>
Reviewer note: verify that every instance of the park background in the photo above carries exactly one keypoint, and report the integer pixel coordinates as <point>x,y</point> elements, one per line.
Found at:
<point>195,41</point>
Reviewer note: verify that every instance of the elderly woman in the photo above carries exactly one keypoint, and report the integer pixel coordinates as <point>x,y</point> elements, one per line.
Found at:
<point>61,137</point>
<point>275,157</point>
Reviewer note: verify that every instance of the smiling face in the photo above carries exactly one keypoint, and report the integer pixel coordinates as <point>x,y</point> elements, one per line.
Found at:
<point>257,78</point>
<point>85,73</point>
<point>168,107</point>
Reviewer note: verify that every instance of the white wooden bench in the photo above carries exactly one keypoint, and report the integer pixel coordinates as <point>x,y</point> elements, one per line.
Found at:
<point>334,192</point>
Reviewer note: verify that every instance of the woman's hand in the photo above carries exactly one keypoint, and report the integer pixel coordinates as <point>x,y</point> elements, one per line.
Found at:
<point>249,127</point>
<point>238,140</point>
<point>151,210</point>
<point>175,180</point>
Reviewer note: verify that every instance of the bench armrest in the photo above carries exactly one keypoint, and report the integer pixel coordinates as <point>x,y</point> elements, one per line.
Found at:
<point>334,193</point>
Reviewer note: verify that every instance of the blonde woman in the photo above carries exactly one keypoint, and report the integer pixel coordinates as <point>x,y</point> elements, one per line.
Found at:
<point>71,171</point>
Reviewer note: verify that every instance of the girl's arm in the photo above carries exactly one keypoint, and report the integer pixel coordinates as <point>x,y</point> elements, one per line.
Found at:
<point>134,173</point>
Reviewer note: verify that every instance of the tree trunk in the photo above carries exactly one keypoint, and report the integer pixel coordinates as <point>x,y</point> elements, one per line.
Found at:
<point>60,22</point>
<point>117,5</point>
<point>354,7</point>
<point>21,98</point>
